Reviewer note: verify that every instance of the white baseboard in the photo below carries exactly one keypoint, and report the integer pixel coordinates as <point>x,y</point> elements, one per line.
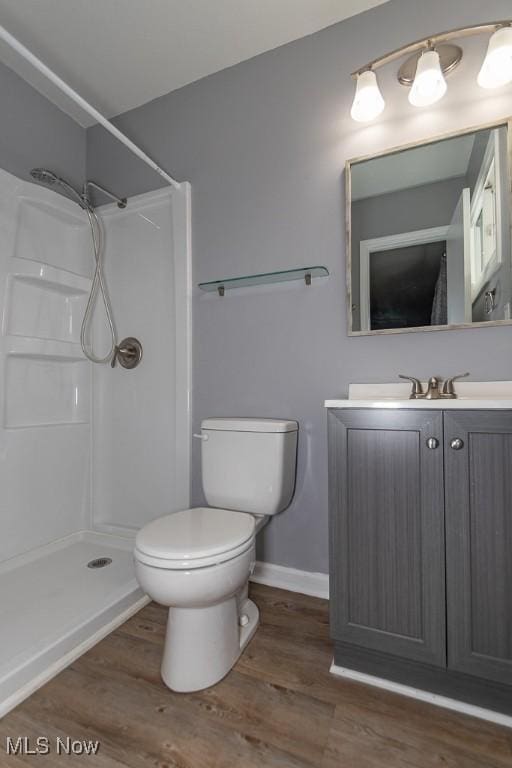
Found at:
<point>305,582</point>
<point>417,693</point>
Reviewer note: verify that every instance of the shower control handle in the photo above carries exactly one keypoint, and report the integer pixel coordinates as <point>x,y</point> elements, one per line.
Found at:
<point>128,352</point>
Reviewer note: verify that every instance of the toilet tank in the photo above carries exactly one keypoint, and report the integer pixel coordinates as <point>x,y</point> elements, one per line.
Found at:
<point>249,464</point>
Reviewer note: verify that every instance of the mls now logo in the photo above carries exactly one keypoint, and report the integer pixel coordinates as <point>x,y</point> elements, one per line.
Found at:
<point>22,745</point>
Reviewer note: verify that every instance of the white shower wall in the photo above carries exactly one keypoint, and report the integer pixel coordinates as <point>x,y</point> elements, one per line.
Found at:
<point>141,429</point>
<point>45,270</point>
<point>84,446</point>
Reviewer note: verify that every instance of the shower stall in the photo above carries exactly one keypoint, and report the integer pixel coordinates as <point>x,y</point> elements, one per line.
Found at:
<point>88,453</point>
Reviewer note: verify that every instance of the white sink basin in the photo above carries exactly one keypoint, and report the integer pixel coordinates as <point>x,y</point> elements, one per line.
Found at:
<point>472,395</point>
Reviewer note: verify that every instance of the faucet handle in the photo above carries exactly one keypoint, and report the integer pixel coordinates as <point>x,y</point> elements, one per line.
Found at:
<point>448,388</point>
<point>417,387</point>
<point>128,353</point>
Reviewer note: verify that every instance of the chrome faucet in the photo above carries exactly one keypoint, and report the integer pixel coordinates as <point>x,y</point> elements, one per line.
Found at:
<point>434,392</point>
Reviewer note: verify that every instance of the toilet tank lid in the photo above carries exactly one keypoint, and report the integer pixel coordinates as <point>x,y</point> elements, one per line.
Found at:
<point>250,425</point>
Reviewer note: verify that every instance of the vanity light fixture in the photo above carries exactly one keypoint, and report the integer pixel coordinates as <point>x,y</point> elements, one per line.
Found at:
<point>368,101</point>
<point>429,84</point>
<point>428,63</point>
<point>497,67</point>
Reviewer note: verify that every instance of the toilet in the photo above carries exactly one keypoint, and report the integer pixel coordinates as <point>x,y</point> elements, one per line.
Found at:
<point>197,562</point>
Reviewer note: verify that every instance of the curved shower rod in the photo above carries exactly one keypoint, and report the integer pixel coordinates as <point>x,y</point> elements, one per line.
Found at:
<point>15,44</point>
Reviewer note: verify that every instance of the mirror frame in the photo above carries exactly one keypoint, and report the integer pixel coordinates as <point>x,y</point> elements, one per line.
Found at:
<point>348,226</point>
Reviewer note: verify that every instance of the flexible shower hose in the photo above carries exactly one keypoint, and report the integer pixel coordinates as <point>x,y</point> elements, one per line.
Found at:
<point>98,284</point>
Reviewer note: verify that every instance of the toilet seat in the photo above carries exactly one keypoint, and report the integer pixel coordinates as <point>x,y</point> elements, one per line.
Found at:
<point>195,538</point>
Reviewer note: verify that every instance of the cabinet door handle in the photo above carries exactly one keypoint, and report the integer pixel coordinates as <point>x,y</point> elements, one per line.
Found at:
<point>432,443</point>
<point>456,444</point>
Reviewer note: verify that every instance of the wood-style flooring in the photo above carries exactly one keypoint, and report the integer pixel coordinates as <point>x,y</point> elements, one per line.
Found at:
<point>278,708</point>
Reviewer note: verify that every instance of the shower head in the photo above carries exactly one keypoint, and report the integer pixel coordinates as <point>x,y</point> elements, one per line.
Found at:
<point>44,176</point>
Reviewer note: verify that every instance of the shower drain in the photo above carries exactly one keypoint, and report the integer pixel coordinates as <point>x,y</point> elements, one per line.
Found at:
<point>99,562</point>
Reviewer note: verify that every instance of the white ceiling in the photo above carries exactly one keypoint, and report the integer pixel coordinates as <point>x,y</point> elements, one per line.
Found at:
<point>119,54</point>
<point>426,164</point>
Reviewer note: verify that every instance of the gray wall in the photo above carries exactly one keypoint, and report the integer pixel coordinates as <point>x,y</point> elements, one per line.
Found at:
<point>422,207</point>
<point>264,145</point>
<point>34,132</point>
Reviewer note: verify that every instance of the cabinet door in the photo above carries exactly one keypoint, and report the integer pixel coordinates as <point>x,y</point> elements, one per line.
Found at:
<point>479,542</point>
<point>387,532</point>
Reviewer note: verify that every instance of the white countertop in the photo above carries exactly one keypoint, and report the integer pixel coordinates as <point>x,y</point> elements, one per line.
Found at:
<point>473,395</point>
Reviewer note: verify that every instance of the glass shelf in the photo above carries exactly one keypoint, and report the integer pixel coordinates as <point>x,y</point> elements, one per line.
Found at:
<point>265,278</point>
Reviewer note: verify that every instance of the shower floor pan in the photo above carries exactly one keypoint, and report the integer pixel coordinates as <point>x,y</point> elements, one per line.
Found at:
<point>53,607</point>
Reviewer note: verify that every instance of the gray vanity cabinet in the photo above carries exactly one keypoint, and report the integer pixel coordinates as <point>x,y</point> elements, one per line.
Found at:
<point>387,532</point>
<point>421,547</point>
<point>479,542</point>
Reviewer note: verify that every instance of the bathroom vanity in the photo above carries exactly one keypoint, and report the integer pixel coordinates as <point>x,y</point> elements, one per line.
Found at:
<point>421,539</point>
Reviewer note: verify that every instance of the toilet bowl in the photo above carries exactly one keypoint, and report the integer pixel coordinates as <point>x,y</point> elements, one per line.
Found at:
<point>197,562</point>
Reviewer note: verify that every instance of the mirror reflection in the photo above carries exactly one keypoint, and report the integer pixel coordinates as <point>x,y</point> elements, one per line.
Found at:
<point>429,232</point>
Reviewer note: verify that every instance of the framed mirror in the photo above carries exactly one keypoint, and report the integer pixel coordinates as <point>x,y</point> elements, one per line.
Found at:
<point>429,234</point>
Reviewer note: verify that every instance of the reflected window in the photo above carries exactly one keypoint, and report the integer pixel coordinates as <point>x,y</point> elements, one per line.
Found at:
<point>484,231</point>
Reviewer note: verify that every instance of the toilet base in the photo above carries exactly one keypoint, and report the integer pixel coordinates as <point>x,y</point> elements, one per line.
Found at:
<point>203,644</point>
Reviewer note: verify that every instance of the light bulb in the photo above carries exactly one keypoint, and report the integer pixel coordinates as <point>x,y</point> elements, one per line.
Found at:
<point>429,84</point>
<point>368,101</point>
<point>497,67</point>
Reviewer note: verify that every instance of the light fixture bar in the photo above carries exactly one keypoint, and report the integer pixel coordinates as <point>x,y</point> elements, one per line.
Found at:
<point>442,37</point>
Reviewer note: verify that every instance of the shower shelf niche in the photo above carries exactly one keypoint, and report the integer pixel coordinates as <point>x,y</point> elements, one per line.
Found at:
<point>49,234</point>
<point>51,278</point>
<point>54,350</point>
<point>265,278</point>
<point>45,303</point>
<point>46,383</point>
